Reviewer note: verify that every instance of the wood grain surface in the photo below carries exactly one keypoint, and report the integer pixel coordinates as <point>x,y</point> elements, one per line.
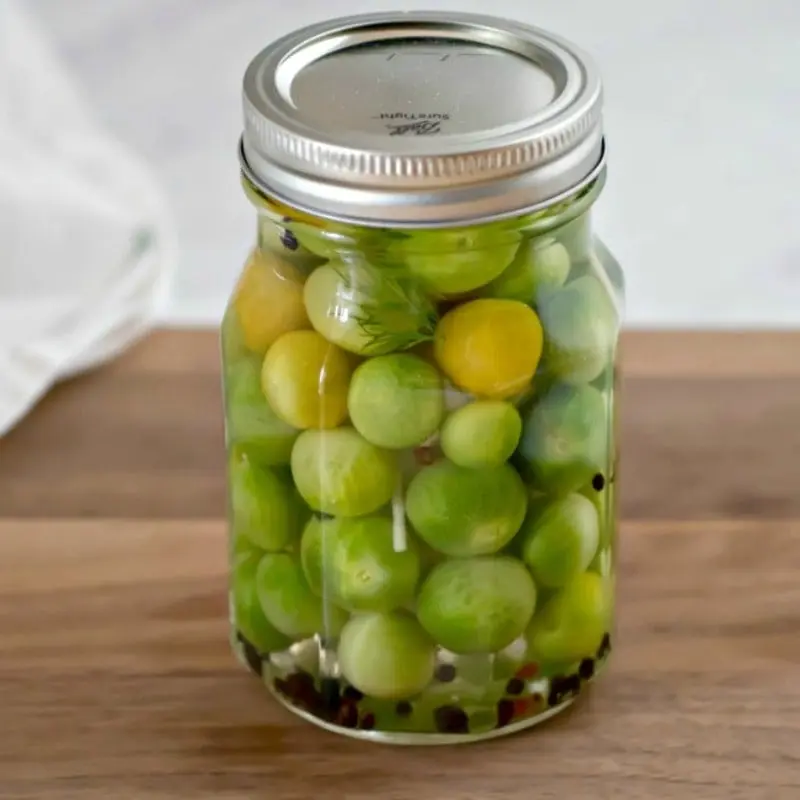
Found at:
<point>116,680</point>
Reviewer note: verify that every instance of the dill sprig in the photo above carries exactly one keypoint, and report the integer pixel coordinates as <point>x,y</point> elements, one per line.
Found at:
<point>388,305</point>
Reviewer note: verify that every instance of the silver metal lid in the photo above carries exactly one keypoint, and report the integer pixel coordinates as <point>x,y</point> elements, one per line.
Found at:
<point>427,118</point>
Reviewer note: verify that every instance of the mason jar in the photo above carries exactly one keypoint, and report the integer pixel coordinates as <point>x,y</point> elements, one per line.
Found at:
<point>419,379</point>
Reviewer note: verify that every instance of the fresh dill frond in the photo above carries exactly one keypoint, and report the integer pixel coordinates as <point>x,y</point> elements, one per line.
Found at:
<point>390,307</point>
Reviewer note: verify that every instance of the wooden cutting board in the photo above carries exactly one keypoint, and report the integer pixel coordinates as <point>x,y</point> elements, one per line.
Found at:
<point>116,680</point>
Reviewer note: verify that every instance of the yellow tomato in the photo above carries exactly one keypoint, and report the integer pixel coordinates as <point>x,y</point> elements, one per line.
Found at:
<point>305,379</point>
<point>268,301</point>
<point>489,348</point>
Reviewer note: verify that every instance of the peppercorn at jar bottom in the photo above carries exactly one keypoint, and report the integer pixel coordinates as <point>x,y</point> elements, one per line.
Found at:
<point>452,709</point>
<point>421,449</point>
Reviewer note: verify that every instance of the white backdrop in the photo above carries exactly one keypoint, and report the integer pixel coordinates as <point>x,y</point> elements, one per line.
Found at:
<point>703,120</point>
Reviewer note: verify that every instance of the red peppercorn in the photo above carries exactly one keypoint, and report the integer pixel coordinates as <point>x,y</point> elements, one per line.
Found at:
<point>347,715</point>
<point>424,455</point>
<point>523,707</point>
<point>367,722</point>
<point>527,672</point>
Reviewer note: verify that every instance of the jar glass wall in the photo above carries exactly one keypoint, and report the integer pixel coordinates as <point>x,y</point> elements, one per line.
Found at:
<point>420,427</point>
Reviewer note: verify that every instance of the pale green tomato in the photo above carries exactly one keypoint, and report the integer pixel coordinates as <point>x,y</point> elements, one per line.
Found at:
<point>248,616</point>
<point>466,512</point>
<point>571,625</point>
<point>339,472</point>
<point>396,401</point>
<point>560,539</point>
<point>386,656</point>
<point>252,427</point>
<point>481,434</point>
<point>477,605</point>
<point>580,329</point>
<point>565,438</point>
<point>288,602</point>
<point>353,562</point>
<point>457,261</point>
<point>265,508</point>
<point>539,266</point>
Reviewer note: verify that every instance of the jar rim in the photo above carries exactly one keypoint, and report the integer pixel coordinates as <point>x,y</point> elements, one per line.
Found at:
<point>335,213</point>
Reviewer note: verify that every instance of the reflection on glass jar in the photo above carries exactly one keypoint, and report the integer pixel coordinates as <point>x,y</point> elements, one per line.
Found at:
<point>419,380</point>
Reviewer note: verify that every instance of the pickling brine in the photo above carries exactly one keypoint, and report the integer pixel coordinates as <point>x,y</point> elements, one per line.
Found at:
<point>420,387</point>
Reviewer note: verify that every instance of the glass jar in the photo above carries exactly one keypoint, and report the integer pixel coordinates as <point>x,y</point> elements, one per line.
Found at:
<point>419,379</point>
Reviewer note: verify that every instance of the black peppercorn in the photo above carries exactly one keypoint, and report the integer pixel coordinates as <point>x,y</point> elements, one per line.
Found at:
<point>557,691</point>
<point>572,685</point>
<point>330,693</point>
<point>451,719</point>
<point>586,669</point>
<point>445,673</point>
<point>403,709</point>
<point>251,655</point>
<point>605,647</point>
<point>289,240</point>
<point>505,712</point>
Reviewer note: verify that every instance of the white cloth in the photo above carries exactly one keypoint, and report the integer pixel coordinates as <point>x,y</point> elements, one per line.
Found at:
<point>86,244</point>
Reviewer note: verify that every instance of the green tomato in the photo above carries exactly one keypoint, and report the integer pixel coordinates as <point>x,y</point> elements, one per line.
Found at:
<point>539,266</point>
<point>603,563</point>
<point>565,438</point>
<point>316,551</point>
<point>457,261</point>
<point>232,346</point>
<point>482,434</point>
<point>560,539</point>
<point>466,512</point>
<point>368,310</point>
<point>325,243</point>
<point>386,656</point>
<point>396,401</point>
<point>353,562</point>
<point>281,240</point>
<point>338,472</point>
<point>604,262</point>
<point>248,616</point>
<point>264,507</point>
<point>477,605</point>
<point>576,237</point>
<point>604,502</point>
<point>252,427</point>
<point>331,240</point>
<point>580,328</point>
<point>571,625</point>
<point>241,548</point>
<point>288,602</point>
